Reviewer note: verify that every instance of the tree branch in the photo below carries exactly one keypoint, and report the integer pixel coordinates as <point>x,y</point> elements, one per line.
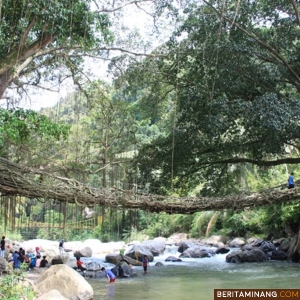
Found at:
<point>122,6</point>
<point>296,11</point>
<point>257,39</point>
<point>265,163</point>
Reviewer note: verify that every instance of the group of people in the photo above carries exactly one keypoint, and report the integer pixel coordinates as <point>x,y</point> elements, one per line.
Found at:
<point>29,258</point>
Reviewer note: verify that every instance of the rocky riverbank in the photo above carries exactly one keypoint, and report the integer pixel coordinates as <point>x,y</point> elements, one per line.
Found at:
<point>60,280</point>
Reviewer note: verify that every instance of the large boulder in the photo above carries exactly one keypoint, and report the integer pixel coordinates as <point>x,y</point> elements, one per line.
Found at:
<point>239,256</point>
<point>156,246</point>
<point>58,259</point>
<point>197,252</point>
<point>267,247</point>
<point>52,295</point>
<point>185,245</point>
<point>122,270</point>
<point>137,252</point>
<point>116,259</point>
<point>173,259</point>
<point>277,255</point>
<point>67,281</point>
<point>222,250</point>
<point>112,258</point>
<point>83,252</point>
<point>248,247</point>
<point>237,243</point>
<point>257,243</point>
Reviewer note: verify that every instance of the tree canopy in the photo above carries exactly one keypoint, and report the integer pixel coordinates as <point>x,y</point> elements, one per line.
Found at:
<point>231,74</point>
<point>206,113</point>
<point>44,42</point>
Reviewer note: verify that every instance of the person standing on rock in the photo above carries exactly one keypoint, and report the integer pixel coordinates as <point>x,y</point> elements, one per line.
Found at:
<point>291,183</point>
<point>109,274</point>
<point>2,252</point>
<point>61,246</point>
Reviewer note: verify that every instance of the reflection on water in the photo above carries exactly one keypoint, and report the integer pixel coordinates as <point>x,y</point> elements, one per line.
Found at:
<point>196,279</point>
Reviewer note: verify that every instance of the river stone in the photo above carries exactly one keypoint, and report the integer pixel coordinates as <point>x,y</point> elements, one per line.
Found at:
<point>257,243</point>
<point>57,261</point>
<point>112,258</point>
<point>185,245</point>
<point>222,250</point>
<point>277,255</point>
<point>156,246</point>
<point>173,259</point>
<point>83,252</point>
<point>239,256</point>
<point>237,243</point>
<point>122,270</point>
<point>247,247</point>
<point>267,247</point>
<point>137,252</point>
<point>52,295</point>
<point>67,281</point>
<point>197,252</point>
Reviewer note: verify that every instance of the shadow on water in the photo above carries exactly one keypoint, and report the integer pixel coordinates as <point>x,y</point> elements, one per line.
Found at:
<point>196,279</point>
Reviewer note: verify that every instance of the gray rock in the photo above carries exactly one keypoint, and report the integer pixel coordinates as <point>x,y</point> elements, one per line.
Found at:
<point>239,256</point>
<point>52,295</point>
<point>137,252</point>
<point>237,243</point>
<point>67,281</point>
<point>173,259</point>
<point>197,252</point>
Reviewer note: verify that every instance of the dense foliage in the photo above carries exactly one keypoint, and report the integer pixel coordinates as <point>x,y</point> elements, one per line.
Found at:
<point>213,111</point>
<point>14,287</point>
<point>230,73</point>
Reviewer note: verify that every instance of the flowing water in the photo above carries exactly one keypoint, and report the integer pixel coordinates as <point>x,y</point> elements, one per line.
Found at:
<point>196,279</point>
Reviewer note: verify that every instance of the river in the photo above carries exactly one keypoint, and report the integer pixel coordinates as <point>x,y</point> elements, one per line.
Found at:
<point>196,279</point>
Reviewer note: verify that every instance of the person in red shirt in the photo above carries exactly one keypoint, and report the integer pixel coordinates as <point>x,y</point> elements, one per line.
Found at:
<point>80,264</point>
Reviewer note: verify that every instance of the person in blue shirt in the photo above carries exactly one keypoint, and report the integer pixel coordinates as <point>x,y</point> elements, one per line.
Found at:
<point>32,260</point>
<point>291,183</point>
<point>16,259</point>
<point>109,274</point>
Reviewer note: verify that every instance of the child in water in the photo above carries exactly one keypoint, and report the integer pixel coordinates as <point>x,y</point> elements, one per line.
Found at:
<point>109,274</point>
<point>145,262</point>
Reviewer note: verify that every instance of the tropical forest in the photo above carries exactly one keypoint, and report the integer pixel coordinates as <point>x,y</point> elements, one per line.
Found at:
<point>169,116</point>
